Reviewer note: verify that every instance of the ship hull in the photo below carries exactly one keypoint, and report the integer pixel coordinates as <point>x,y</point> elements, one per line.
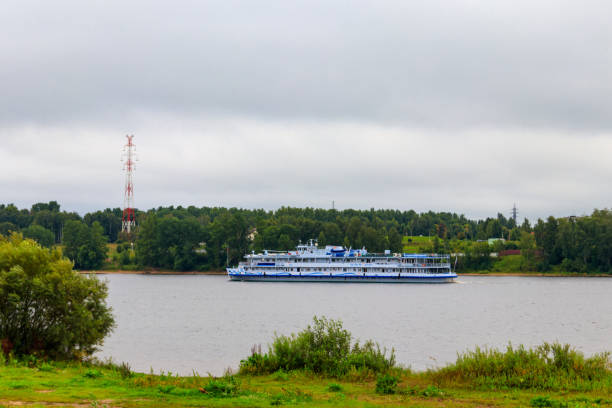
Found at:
<point>345,279</point>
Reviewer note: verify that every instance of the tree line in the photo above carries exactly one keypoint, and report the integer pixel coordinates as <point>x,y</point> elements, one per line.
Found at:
<point>189,238</point>
<point>576,244</point>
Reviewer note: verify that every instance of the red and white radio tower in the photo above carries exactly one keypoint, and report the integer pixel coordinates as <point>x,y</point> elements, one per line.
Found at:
<point>128,221</point>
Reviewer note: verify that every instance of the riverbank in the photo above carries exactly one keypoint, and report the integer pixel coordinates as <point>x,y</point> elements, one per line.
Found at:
<point>222,272</point>
<point>81,385</point>
<point>150,272</point>
<point>532,274</point>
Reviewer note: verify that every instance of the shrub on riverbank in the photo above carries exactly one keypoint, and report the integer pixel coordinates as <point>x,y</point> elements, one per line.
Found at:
<point>548,366</point>
<point>323,348</point>
<point>47,309</point>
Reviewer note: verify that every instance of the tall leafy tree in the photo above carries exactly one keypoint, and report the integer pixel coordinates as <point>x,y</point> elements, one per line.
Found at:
<point>7,227</point>
<point>395,241</point>
<point>84,245</point>
<point>39,234</point>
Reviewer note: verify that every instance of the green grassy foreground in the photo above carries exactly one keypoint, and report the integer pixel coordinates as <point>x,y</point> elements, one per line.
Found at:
<point>83,385</point>
<point>322,366</point>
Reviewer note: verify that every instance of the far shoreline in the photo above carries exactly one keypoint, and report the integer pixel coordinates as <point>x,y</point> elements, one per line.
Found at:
<point>146,272</point>
<point>539,274</point>
<point>221,272</point>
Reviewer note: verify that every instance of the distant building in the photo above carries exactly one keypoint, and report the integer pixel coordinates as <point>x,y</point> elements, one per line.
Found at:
<point>507,252</point>
<point>491,241</point>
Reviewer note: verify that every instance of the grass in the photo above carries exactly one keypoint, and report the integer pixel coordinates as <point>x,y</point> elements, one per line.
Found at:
<point>546,367</point>
<point>509,263</point>
<point>322,367</point>
<point>69,384</point>
<point>416,244</point>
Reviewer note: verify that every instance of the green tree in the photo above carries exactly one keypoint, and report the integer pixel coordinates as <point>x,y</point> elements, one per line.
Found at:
<point>19,218</point>
<point>477,256</point>
<point>51,220</point>
<point>546,239</point>
<point>526,226</point>
<point>441,230</point>
<point>436,247</point>
<point>368,237</point>
<point>354,231</point>
<point>85,246</point>
<point>515,234</point>
<point>494,229</point>
<point>124,258</point>
<point>285,243</point>
<point>528,248</point>
<point>110,219</point>
<point>47,308</point>
<point>333,234</point>
<point>498,246</point>
<point>170,243</point>
<point>147,245</point>
<point>322,239</point>
<point>52,206</point>
<point>7,227</point>
<point>39,234</point>
<point>395,241</point>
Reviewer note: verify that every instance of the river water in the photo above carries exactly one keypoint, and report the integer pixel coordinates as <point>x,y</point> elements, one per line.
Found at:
<point>207,324</point>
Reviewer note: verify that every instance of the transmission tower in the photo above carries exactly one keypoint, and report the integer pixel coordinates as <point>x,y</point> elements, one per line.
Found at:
<point>128,221</point>
<point>514,213</point>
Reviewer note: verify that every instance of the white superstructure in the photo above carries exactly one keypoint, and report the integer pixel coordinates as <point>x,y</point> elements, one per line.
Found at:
<point>308,263</point>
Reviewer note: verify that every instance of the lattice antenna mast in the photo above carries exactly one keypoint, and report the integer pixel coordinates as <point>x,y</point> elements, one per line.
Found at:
<point>128,221</point>
<point>514,213</point>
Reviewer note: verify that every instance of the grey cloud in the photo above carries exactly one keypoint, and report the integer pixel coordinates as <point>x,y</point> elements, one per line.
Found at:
<point>463,106</point>
<point>231,161</point>
<point>435,64</point>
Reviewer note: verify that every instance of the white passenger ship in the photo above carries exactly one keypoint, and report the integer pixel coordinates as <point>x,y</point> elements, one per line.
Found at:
<point>308,263</point>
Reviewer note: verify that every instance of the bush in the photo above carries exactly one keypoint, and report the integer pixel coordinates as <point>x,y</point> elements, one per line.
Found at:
<point>541,402</point>
<point>548,366</point>
<point>45,367</point>
<point>46,308</point>
<point>224,387</point>
<point>386,384</point>
<point>333,387</point>
<point>325,348</point>
<point>125,371</point>
<point>549,402</point>
<point>432,391</point>
<point>92,373</point>
<point>280,375</point>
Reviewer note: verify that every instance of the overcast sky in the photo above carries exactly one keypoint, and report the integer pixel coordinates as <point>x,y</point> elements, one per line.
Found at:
<point>463,106</point>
